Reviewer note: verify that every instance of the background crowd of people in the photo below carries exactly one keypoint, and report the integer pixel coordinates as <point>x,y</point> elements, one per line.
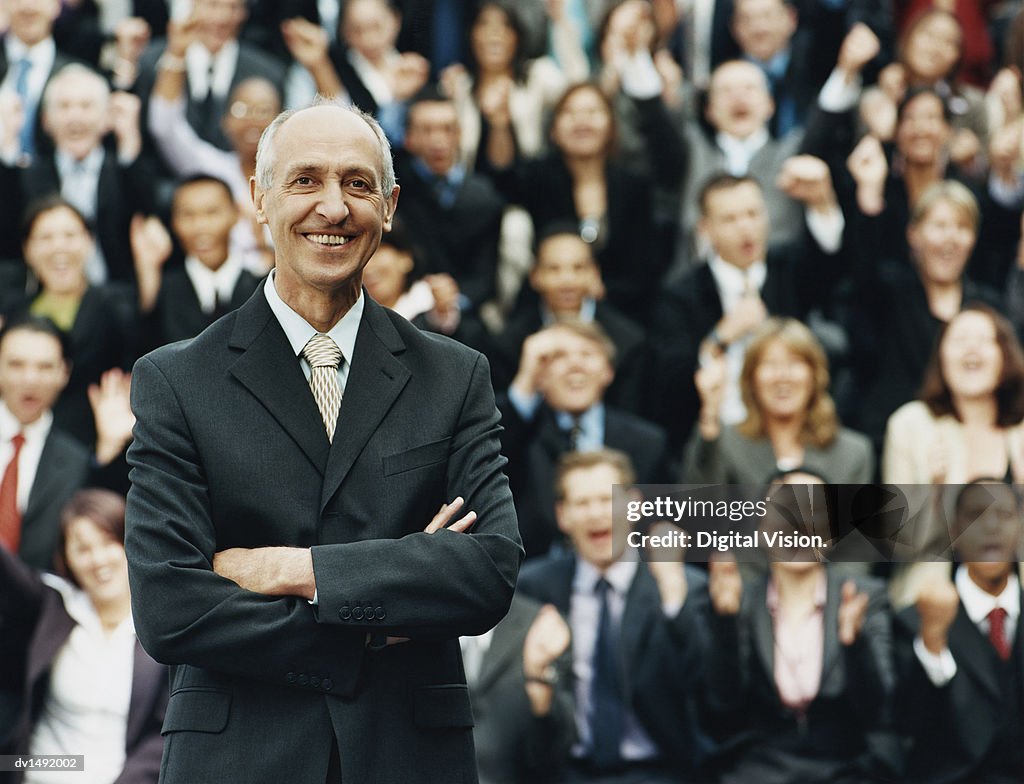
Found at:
<point>698,241</point>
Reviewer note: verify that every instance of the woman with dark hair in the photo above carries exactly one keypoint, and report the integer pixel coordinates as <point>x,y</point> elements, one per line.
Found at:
<point>88,687</point>
<point>791,420</point>
<point>966,422</point>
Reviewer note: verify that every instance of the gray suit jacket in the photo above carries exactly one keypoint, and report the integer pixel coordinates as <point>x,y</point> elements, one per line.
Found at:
<point>230,451</point>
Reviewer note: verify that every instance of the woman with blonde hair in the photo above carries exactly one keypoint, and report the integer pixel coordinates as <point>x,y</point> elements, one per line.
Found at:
<point>791,419</point>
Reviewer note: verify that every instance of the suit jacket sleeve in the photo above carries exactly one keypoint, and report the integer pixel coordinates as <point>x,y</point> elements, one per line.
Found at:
<point>443,584</point>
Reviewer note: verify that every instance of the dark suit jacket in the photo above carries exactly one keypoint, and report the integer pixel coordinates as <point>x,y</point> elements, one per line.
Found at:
<point>230,451</point>
<point>951,728</point>
<point>841,737</point>
<point>35,614</point>
<point>177,314</point>
<point>534,448</point>
<point>512,745</point>
<point>665,658</point>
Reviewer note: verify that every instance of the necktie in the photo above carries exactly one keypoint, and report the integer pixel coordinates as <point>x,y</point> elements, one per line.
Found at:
<point>26,140</point>
<point>606,688</point>
<point>997,632</point>
<point>10,517</point>
<point>324,357</point>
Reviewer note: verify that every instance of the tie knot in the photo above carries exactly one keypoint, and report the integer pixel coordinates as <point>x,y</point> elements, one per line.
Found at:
<point>602,587</point>
<point>322,351</point>
<point>18,441</point>
<point>997,615</point>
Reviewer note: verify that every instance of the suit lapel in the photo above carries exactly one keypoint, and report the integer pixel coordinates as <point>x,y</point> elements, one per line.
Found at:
<point>375,380</point>
<point>52,475</point>
<point>762,631</point>
<point>271,372</point>
<point>831,645</point>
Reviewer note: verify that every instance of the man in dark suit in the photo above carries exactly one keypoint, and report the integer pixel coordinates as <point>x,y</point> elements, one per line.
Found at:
<point>554,405</point>
<point>455,215</point>
<point>628,617</point>
<point>180,302</point>
<point>962,655</point>
<point>288,568</point>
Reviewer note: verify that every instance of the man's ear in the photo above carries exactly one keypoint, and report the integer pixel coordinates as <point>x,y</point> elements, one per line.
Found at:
<point>258,195</point>
<point>563,524</point>
<point>390,205</point>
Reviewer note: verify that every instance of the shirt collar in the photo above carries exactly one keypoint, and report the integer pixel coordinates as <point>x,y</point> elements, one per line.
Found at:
<point>733,146</point>
<point>620,574</point>
<point>729,276</point>
<point>198,60</point>
<point>299,331</point>
<point>454,176</point>
<point>588,309</point>
<point>979,603</point>
<point>90,164</point>
<point>10,427</point>
<point>820,593</point>
<point>777,65</point>
<point>39,53</point>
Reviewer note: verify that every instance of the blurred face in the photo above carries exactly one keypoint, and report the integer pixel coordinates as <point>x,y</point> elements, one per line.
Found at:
<point>33,373</point>
<point>941,243</point>
<point>75,116</point>
<point>565,274</point>
<point>203,216</point>
<point>933,48</point>
<point>788,514</point>
<point>97,562</point>
<point>988,529</point>
<point>763,28</point>
<point>56,251</point>
<point>577,375</point>
<point>433,134</point>
<point>739,102</point>
<point>218,21</point>
<point>32,20</point>
<point>735,223</point>
<point>493,39</point>
<point>783,382</point>
<point>585,515</point>
<point>583,127</point>
<point>325,207</point>
<point>254,103</point>
<point>971,359</point>
<point>370,27</point>
<point>922,131</point>
<point>384,277</point>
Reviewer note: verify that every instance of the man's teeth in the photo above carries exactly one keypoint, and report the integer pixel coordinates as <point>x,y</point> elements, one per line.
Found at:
<point>328,239</point>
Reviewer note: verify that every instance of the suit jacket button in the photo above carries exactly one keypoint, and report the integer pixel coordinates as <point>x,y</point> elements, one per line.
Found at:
<point>326,684</point>
<point>303,679</point>
<point>345,613</point>
<point>357,613</point>
<point>381,615</point>
<point>290,677</point>
<point>368,613</point>
<point>314,682</point>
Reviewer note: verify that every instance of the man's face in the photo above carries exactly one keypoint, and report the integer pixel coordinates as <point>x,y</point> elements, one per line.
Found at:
<point>32,20</point>
<point>32,373</point>
<point>565,274</point>
<point>203,216</point>
<point>735,223</point>
<point>325,207</point>
<point>763,28</point>
<point>585,514</point>
<point>577,374</point>
<point>738,100</point>
<point>433,134</point>
<point>988,530</point>
<point>75,115</point>
<point>370,28</point>
<point>218,21</point>
<point>385,275</point>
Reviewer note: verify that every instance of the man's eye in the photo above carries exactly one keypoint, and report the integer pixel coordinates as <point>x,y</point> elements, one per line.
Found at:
<point>304,180</point>
<point>359,185</point>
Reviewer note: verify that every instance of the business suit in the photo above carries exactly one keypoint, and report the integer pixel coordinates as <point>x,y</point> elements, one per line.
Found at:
<point>664,657</point>
<point>534,448</point>
<point>841,736</point>
<point>952,729</point>
<point>230,451</point>
<point>35,614</point>
<point>512,745</point>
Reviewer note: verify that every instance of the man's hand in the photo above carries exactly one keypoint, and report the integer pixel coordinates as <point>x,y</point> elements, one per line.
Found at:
<point>869,168</point>
<point>853,608</point>
<point>750,312</point>
<point>274,571</point>
<point>807,179</point>
<point>937,606</point>
<point>725,586</point>
<point>710,380</point>
<point>124,122</point>
<point>538,351</point>
<point>858,49</point>
<point>307,42</point>
<point>151,247</point>
<point>667,568</point>
<point>408,75</point>
<point>446,513</point>
<point>110,401</point>
<point>547,639</point>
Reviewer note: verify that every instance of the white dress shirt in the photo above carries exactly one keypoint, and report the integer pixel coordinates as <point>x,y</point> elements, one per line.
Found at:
<point>198,60</point>
<point>211,285</point>
<point>31,451</point>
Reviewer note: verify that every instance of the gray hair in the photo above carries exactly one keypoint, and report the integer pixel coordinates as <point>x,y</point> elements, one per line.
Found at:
<point>265,149</point>
<point>70,71</point>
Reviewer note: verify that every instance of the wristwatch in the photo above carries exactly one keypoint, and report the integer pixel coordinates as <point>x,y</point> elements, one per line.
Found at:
<point>548,676</point>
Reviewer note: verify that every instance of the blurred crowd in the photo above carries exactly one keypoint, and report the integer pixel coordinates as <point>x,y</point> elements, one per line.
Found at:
<point>755,242</point>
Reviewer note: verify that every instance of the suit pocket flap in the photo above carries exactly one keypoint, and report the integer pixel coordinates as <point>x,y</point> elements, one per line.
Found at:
<point>417,457</point>
<point>197,710</point>
<point>443,706</point>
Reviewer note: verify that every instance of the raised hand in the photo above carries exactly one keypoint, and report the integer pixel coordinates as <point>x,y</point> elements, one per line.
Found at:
<point>853,607</point>
<point>725,586</point>
<point>937,606</point>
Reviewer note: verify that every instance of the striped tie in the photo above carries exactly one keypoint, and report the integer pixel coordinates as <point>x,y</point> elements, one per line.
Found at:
<point>324,357</point>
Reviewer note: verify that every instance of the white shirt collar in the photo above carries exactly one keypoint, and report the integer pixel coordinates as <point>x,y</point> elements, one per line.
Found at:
<point>42,53</point>
<point>10,427</point>
<point>197,61</point>
<point>299,331</point>
<point>210,284</point>
<point>90,164</point>
<point>620,574</point>
<point>732,281</point>
<point>739,152</point>
<point>978,603</point>
<point>376,83</point>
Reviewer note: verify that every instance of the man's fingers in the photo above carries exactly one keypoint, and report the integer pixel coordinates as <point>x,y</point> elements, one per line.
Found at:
<point>463,524</point>
<point>444,515</point>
